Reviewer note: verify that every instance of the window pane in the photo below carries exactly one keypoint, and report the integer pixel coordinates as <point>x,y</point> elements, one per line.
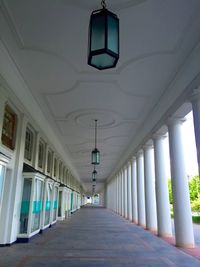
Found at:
<point>55,205</point>
<point>37,206</point>
<point>9,128</point>
<point>28,145</point>
<point>41,155</point>
<point>25,205</point>
<point>49,161</point>
<point>48,203</point>
<point>55,167</point>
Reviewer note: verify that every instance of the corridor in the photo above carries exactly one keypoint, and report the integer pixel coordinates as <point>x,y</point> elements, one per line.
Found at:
<point>95,237</point>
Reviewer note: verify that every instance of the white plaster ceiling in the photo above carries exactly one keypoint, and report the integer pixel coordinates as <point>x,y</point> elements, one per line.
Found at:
<point>47,40</point>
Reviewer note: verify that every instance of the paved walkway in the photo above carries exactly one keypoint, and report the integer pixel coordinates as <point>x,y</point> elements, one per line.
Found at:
<point>95,237</point>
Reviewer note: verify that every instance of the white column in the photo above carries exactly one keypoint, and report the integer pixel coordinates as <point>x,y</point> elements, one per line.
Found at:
<point>140,189</point>
<point>117,194</point>
<point>120,187</point>
<point>125,192</point>
<point>195,99</point>
<point>123,211</point>
<point>134,191</point>
<point>114,192</point>
<point>162,192</point>
<point>150,198</point>
<point>129,192</point>
<point>182,211</point>
<point>116,197</point>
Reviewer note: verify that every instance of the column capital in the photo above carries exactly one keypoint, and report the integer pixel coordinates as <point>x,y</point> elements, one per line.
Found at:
<point>175,120</point>
<point>133,159</point>
<point>129,162</point>
<point>195,96</point>
<point>139,153</point>
<point>157,136</point>
<point>147,147</point>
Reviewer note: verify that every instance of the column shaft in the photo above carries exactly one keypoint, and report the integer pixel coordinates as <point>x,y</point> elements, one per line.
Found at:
<point>162,193</point>
<point>196,116</point>
<point>182,211</point>
<point>129,191</point>
<point>125,192</point>
<point>123,210</point>
<point>150,200</point>
<point>134,191</point>
<point>140,190</point>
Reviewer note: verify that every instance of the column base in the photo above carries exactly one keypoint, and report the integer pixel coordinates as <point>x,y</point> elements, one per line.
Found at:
<point>142,225</point>
<point>153,231</point>
<point>165,235</point>
<point>187,245</point>
<point>135,221</point>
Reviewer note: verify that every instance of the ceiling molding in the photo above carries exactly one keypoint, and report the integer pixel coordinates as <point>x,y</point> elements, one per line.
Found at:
<point>21,43</point>
<point>78,83</point>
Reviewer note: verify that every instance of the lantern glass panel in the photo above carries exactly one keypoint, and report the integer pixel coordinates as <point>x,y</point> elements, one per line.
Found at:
<point>95,157</point>
<point>98,157</point>
<point>97,32</point>
<point>113,38</point>
<point>103,61</point>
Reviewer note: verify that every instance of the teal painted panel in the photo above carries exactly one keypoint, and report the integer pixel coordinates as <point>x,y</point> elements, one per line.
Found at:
<point>37,206</point>
<point>25,207</point>
<point>55,205</point>
<point>48,205</point>
<point>71,200</point>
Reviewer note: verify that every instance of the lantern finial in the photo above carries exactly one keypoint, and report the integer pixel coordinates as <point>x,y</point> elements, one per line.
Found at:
<point>103,4</point>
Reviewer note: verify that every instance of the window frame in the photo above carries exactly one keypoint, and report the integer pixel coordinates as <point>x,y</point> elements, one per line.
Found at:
<point>31,130</point>
<point>6,140</point>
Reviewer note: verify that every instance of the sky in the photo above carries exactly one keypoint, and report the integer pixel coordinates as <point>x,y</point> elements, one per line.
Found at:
<point>189,147</point>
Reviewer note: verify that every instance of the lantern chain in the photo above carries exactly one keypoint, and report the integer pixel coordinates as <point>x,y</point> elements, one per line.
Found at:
<point>103,4</point>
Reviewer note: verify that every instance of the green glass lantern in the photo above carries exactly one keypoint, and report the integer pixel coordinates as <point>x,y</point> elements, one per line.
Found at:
<point>103,47</point>
<point>95,155</point>
<point>94,175</point>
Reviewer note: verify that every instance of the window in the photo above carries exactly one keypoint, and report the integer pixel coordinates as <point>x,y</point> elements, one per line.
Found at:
<point>60,171</point>
<point>41,154</point>
<point>28,152</point>
<point>55,168</point>
<point>49,161</point>
<point>9,128</point>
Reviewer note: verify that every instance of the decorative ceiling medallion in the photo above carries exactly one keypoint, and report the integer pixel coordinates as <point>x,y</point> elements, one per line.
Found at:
<point>85,118</point>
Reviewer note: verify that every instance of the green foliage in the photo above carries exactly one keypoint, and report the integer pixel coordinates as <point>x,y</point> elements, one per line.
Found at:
<point>170,191</point>
<point>194,187</point>
<point>196,219</point>
<point>195,205</point>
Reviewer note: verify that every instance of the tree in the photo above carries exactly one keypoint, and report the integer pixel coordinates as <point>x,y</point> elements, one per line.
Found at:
<point>194,188</point>
<point>170,191</point>
<point>195,205</point>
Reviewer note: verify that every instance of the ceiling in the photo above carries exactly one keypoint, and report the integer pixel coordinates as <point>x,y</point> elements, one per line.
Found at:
<point>47,40</point>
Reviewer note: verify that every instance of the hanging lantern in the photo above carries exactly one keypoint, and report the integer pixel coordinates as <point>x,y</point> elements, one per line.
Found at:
<point>94,175</point>
<point>94,182</point>
<point>103,46</point>
<point>95,155</point>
